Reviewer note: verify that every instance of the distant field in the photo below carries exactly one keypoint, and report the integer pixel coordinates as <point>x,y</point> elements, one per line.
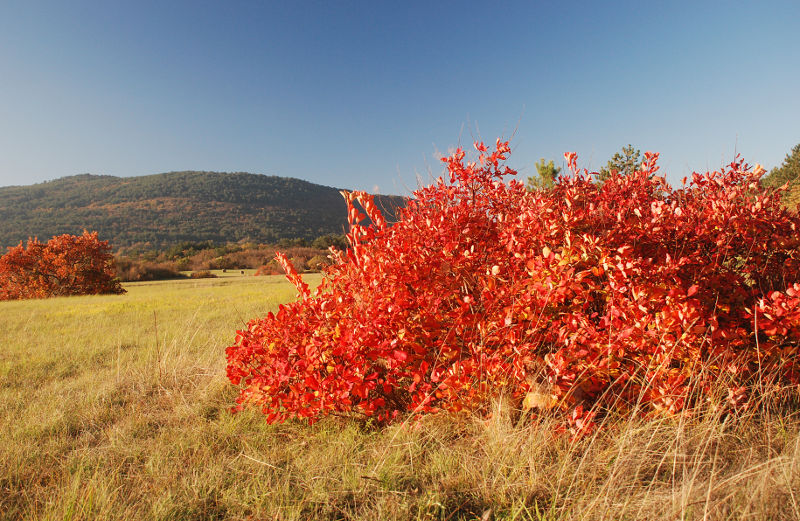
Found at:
<point>116,407</point>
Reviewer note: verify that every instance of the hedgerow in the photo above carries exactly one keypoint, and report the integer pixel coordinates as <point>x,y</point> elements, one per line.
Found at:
<point>585,298</point>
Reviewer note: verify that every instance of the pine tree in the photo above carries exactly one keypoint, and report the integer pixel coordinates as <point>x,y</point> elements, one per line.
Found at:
<point>546,175</point>
<point>628,161</point>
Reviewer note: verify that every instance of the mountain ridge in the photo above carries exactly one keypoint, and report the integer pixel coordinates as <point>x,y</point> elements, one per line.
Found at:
<point>159,210</point>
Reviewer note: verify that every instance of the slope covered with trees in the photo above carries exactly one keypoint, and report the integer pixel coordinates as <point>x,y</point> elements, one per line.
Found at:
<point>165,209</point>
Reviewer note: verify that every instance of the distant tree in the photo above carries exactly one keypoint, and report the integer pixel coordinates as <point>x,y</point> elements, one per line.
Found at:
<point>130,270</point>
<point>546,175</point>
<point>787,173</point>
<point>323,242</point>
<point>65,265</point>
<point>318,262</point>
<point>628,161</point>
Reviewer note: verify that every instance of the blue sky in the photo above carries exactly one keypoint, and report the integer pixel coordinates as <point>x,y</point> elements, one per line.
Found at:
<point>368,95</point>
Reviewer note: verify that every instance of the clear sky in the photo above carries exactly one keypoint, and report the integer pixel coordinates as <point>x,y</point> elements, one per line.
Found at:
<point>367,95</point>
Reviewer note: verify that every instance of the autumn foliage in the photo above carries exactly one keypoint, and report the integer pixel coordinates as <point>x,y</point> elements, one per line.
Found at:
<point>65,265</point>
<point>603,297</point>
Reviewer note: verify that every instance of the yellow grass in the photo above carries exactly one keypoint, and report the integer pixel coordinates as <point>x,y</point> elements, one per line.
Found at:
<point>116,407</point>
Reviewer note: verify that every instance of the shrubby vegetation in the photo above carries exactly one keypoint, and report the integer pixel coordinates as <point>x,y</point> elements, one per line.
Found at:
<point>586,299</point>
<point>138,265</point>
<point>64,265</point>
<point>202,274</point>
<point>129,270</point>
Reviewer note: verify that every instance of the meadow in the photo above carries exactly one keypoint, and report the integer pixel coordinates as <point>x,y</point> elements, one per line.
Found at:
<point>117,407</point>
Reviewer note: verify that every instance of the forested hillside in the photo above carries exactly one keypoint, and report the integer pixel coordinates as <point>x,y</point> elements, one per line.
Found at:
<point>166,209</point>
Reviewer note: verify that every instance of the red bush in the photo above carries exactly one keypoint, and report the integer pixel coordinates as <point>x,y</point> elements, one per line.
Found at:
<point>621,294</point>
<point>65,265</point>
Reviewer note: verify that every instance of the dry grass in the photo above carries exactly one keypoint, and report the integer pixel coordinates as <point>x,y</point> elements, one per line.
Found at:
<point>100,421</point>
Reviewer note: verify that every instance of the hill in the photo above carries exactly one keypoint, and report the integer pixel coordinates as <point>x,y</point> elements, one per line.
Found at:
<point>165,209</point>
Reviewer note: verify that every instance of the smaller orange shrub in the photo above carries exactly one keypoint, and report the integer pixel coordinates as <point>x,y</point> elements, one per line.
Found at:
<point>65,265</point>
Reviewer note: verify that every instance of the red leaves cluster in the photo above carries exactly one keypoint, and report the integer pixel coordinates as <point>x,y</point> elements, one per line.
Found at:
<point>610,296</point>
<point>65,265</point>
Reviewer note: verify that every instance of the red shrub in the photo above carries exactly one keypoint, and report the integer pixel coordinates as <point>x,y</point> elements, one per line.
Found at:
<point>65,265</point>
<point>617,294</point>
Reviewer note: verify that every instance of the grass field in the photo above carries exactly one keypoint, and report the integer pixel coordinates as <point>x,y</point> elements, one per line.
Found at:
<point>116,407</point>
